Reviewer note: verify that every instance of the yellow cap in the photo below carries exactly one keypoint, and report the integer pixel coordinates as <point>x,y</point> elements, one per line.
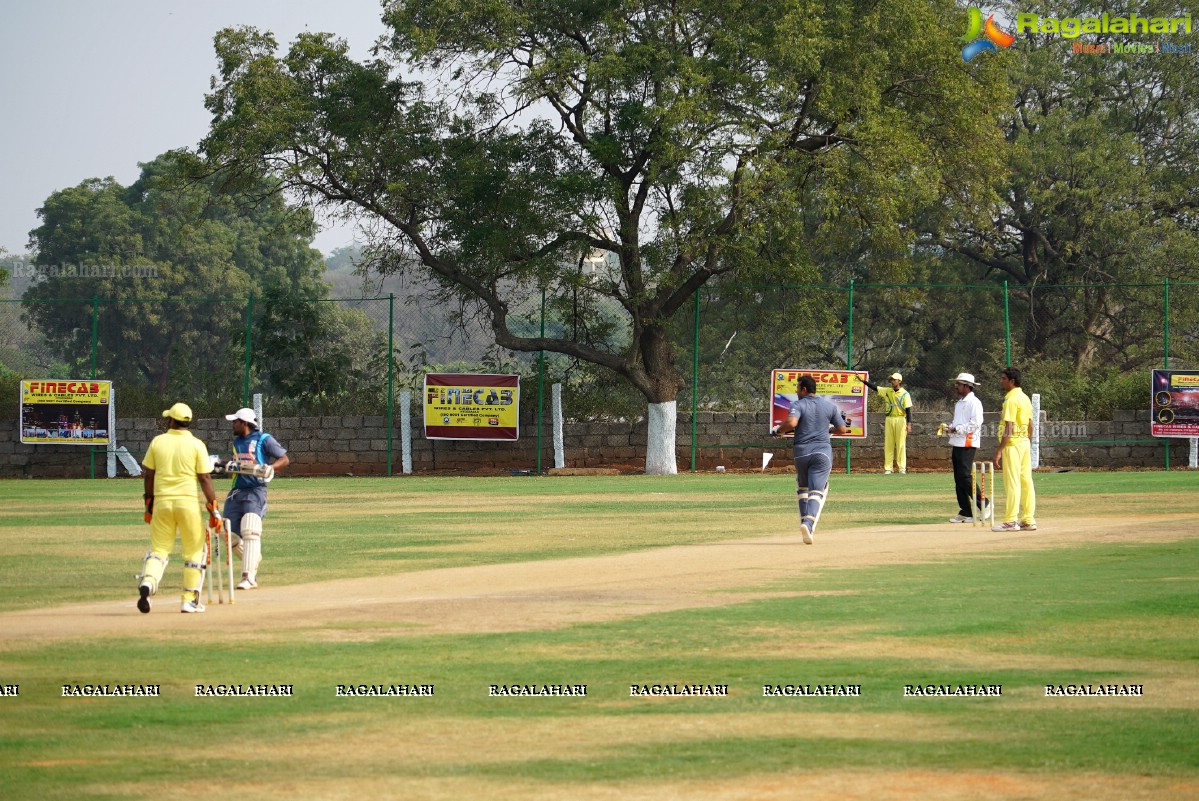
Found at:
<point>180,411</point>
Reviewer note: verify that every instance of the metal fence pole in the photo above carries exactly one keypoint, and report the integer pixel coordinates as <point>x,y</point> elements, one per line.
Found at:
<point>849,366</point>
<point>1166,326</point>
<point>694,379</point>
<point>1166,346</point>
<point>245,391</point>
<point>540,383</point>
<point>391,305</point>
<point>95,344</point>
<point>1007,328</point>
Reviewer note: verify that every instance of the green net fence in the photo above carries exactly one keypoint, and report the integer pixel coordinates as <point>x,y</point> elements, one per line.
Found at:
<point>1085,349</point>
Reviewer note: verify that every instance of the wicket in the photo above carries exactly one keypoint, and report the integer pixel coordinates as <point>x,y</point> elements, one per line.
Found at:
<point>980,495</point>
<point>223,543</point>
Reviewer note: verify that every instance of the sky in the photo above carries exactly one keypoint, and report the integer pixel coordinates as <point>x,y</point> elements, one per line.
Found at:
<point>90,89</point>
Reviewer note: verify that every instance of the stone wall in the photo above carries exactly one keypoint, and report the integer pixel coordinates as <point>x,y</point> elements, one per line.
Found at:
<point>357,445</point>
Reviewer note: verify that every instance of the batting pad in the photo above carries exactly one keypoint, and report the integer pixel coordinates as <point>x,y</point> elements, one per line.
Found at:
<point>251,543</point>
<point>816,500</point>
<point>153,566</point>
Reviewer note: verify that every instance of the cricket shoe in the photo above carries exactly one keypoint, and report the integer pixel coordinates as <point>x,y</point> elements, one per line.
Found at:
<point>192,607</point>
<point>1006,527</point>
<point>247,583</point>
<point>961,519</point>
<point>143,600</point>
<point>886,472</point>
<point>1028,526</point>
<point>807,534</point>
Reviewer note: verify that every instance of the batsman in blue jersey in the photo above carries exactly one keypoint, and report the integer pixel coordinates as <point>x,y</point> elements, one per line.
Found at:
<point>814,420</point>
<point>245,506</point>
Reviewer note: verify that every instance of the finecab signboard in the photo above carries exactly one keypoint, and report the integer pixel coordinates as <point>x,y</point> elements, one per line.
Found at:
<point>465,406</point>
<point>55,412</point>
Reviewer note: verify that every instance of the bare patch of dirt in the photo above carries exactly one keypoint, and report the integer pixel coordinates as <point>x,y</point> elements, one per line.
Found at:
<point>554,593</point>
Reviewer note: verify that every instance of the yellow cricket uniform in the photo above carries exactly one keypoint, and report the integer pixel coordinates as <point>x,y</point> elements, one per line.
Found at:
<point>177,458</point>
<point>895,427</point>
<point>1021,499</point>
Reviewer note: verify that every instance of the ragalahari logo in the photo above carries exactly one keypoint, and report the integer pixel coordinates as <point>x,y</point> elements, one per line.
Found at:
<point>981,37</point>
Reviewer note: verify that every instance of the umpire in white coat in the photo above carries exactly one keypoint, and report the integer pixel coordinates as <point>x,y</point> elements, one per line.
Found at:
<point>964,434</point>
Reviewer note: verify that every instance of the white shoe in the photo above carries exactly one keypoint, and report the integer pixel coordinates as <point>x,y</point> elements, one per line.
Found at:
<point>961,519</point>
<point>191,607</point>
<point>903,472</point>
<point>1006,527</point>
<point>807,533</point>
<point>886,472</point>
<point>247,583</point>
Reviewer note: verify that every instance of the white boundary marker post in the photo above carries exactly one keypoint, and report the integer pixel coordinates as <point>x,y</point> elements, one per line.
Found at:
<point>405,433</point>
<point>559,452</point>
<point>116,452</point>
<point>1035,456</point>
<point>112,431</point>
<point>1194,453</point>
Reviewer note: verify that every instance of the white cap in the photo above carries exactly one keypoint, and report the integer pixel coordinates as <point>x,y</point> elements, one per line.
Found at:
<point>245,415</point>
<point>966,378</point>
<point>897,376</point>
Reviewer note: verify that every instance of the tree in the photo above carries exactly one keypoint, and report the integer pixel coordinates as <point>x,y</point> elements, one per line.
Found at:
<point>160,271</point>
<point>1101,189</point>
<point>685,139</point>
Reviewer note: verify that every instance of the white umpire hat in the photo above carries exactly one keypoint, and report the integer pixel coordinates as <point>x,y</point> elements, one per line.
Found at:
<point>966,378</point>
<point>246,415</point>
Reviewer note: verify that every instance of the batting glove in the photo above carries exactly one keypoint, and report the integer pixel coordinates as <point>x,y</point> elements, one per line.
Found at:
<point>149,515</point>
<point>214,517</point>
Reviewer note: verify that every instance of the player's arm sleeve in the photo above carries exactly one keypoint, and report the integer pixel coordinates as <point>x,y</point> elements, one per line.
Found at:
<point>1008,414</point>
<point>203,463</point>
<point>272,450</point>
<point>148,461</point>
<point>976,417</point>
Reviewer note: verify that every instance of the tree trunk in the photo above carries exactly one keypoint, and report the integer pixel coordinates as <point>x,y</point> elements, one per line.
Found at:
<point>661,390</point>
<point>660,440</point>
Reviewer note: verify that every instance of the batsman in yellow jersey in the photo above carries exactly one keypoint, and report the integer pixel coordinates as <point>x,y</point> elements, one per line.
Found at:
<point>897,423</point>
<point>1014,456</point>
<point>173,464</point>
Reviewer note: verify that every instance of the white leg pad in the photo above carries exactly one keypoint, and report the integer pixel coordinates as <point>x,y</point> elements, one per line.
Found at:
<point>234,539</point>
<point>816,500</point>
<point>152,569</point>
<point>251,544</point>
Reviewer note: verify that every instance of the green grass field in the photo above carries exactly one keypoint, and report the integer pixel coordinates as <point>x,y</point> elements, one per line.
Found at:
<point>1107,593</point>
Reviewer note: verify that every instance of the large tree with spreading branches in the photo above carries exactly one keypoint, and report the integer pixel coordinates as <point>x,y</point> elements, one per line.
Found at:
<point>502,147</point>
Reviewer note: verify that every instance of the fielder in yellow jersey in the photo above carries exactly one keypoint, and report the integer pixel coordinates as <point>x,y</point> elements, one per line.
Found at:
<point>897,423</point>
<point>174,461</point>
<point>1014,456</point>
